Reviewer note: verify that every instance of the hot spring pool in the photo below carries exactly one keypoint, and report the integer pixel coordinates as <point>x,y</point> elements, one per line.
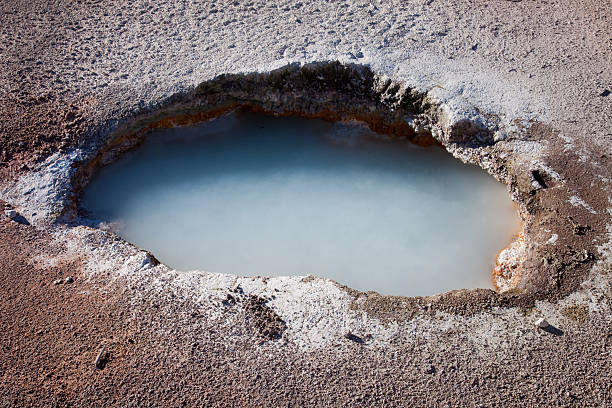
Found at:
<point>250,194</point>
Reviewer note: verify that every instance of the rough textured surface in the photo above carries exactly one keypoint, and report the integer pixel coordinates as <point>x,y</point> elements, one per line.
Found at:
<point>534,75</point>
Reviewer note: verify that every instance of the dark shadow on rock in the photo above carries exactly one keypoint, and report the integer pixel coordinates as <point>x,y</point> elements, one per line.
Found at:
<point>553,330</point>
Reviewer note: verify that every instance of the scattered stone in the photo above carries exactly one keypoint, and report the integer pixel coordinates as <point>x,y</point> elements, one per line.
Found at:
<point>69,279</point>
<point>352,337</point>
<point>58,281</point>
<point>500,136</point>
<point>12,214</point>
<point>229,300</point>
<point>99,361</point>
<point>605,93</point>
<point>430,369</point>
<point>535,185</point>
<point>542,323</point>
<point>537,182</point>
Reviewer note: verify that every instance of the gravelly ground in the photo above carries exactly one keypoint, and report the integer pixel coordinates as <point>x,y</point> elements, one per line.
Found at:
<point>172,338</point>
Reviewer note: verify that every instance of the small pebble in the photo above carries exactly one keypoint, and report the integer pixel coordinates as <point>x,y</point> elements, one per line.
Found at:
<point>58,282</point>
<point>69,279</point>
<point>10,213</point>
<point>542,323</point>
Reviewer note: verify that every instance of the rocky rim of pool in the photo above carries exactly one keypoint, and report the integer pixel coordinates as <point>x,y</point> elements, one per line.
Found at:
<point>541,263</point>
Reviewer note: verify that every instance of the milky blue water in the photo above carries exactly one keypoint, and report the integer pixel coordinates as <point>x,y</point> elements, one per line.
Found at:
<point>250,194</point>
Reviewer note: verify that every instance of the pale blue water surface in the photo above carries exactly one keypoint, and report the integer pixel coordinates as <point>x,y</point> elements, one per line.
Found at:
<point>250,194</point>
